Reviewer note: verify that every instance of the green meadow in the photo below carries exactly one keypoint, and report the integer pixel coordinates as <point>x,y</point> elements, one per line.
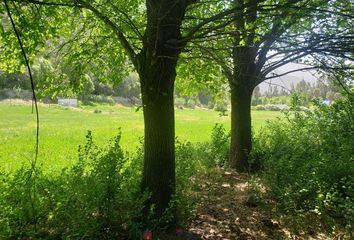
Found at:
<point>63,129</point>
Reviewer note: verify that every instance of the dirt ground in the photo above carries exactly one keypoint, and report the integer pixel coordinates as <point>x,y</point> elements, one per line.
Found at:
<point>230,209</point>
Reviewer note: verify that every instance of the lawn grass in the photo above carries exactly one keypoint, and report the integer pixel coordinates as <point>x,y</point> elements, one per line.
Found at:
<point>63,129</point>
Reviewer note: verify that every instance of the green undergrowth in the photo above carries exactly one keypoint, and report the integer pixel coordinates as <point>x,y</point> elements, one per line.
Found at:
<point>99,197</point>
<point>309,167</point>
<point>306,163</point>
<point>95,198</point>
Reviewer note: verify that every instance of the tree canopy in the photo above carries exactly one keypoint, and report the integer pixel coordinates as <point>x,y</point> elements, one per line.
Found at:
<point>263,36</point>
<point>242,41</point>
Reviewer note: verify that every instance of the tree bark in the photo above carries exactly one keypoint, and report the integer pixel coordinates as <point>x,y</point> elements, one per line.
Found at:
<point>241,134</point>
<point>156,64</point>
<point>159,140</point>
<point>241,85</point>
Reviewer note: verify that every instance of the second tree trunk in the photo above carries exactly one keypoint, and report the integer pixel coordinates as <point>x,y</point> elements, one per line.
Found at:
<point>241,133</point>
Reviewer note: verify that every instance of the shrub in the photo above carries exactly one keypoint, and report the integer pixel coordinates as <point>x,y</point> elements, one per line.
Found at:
<point>129,87</point>
<point>16,93</point>
<point>259,108</point>
<point>99,196</point>
<point>309,163</point>
<point>96,198</point>
<point>204,97</point>
<point>216,152</point>
<point>211,105</point>
<point>188,170</point>
<point>180,103</point>
<point>272,108</point>
<point>257,155</point>
<point>221,107</point>
<point>191,103</point>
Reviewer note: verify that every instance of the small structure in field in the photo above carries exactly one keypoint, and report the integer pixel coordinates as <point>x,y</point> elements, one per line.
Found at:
<point>68,102</point>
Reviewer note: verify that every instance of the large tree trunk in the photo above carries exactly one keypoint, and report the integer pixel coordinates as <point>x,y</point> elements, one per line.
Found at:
<point>241,135</point>
<point>241,85</point>
<point>157,63</point>
<point>159,140</point>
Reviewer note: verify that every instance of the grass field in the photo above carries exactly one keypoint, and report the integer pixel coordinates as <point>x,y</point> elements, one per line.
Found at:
<point>63,129</point>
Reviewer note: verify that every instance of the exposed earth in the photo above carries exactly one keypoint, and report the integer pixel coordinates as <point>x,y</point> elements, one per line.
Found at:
<point>233,207</point>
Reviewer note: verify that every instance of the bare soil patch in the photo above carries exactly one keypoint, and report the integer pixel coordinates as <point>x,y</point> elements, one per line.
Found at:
<point>227,211</point>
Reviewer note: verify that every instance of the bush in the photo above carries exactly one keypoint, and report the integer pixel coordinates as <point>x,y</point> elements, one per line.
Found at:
<point>257,155</point>
<point>180,103</point>
<point>309,163</point>
<point>15,93</point>
<point>185,102</point>
<point>221,107</point>
<point>191,103</point>
<point>259,108</point>
<point>204,98</point>
<point>99,196</point>
<point>216,152</point>
<point>188,169</point>
<point>211,105</point>
<point>129,87</point>
<point>96,198</point>
<point>272,108</point>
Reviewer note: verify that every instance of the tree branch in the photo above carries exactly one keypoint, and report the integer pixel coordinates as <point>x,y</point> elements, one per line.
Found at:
<point>206,21</point>
<point>85,5</point>
<point>49,3</point>
<point>116,29</point>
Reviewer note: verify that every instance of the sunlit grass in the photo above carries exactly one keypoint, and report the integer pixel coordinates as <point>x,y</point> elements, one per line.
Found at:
<point>63,129</point>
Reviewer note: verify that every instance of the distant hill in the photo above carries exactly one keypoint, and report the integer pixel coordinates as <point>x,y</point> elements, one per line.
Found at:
<point>291,79</point>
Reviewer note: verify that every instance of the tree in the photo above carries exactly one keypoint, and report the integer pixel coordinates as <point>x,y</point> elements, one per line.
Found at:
<point>150,33</point>
<point>265,35</point>
<point>129,87</point>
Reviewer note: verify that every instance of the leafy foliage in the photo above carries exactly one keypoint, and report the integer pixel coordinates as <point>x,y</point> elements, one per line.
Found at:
<point>95,198</point>
<point>218,148</point>
<point>99,196</point>
<point>309,163</point>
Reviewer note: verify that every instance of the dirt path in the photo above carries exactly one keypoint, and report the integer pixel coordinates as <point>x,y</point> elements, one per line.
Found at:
<point>229,210</point>
<point>226,211</point>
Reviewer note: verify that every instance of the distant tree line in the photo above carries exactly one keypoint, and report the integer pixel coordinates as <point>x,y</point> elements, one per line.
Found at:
<point>275,94</point>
